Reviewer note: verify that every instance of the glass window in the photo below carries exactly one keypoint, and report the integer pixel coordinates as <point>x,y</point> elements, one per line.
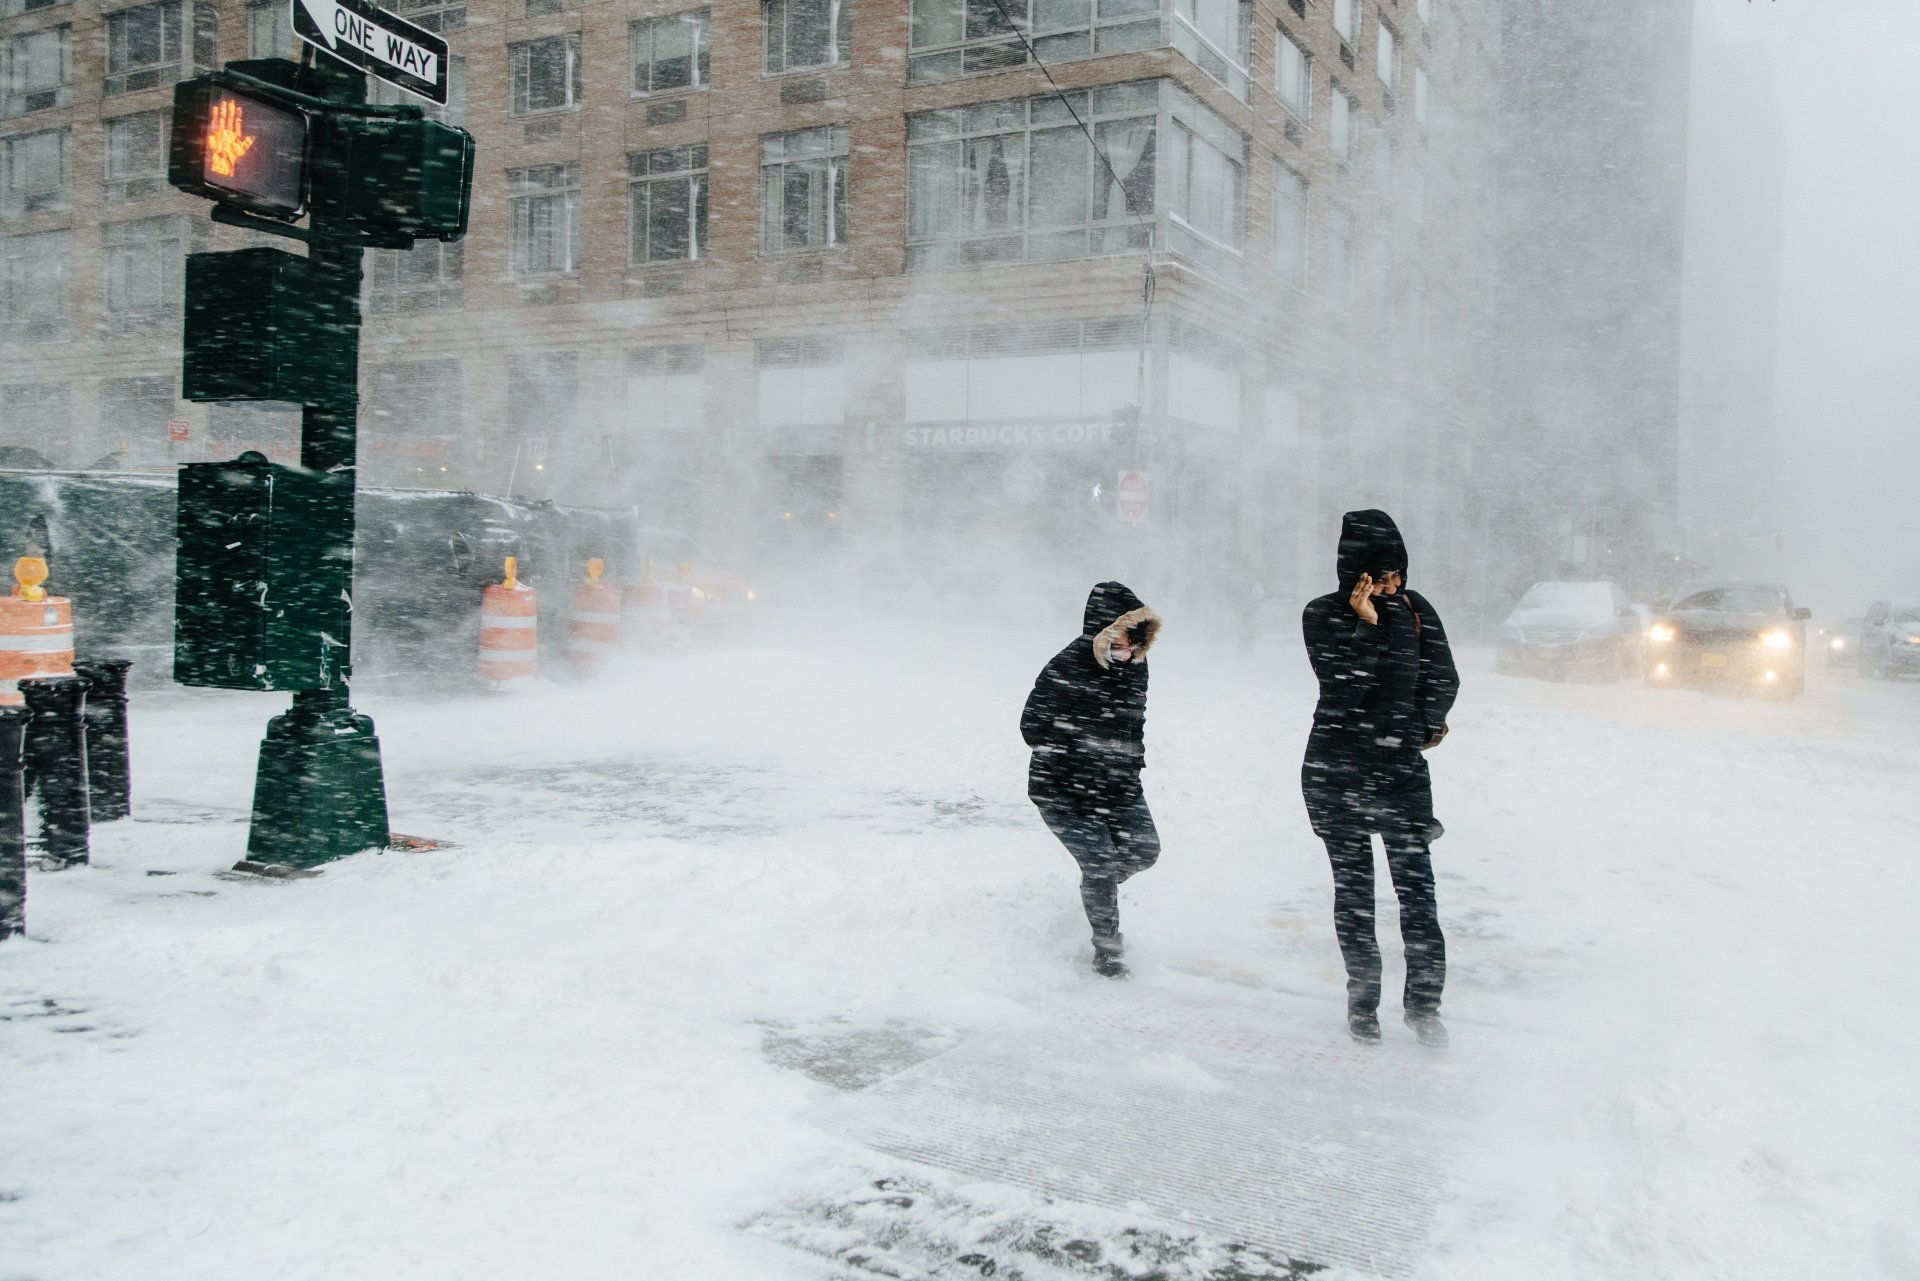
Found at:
<point>269,29</point>
<point>1339,274</point>
<point>1340,125</point>
<point>434,15</point>
<point>424,278</point>
<point>543,205</point>
<point>1006,181</point>
<point>959,37</point>
<point>1213,34</point>
<point>1292,76</point>
<point>667,205</point>
<point>1386,56</point>
<point>137,154</point>
<point>1346,19</point>
<point>142,261</point>
<point>33,173</point>
<point>804,34</point>
<point>803,190</point>
<point>152,44</point>
<point>1289,226</point>
<point>36,73</point>
<point>1420,95</point>
<point>1205,156</point>
<point>34,274</point>
<point>546,74</point>
<point>670,53</point>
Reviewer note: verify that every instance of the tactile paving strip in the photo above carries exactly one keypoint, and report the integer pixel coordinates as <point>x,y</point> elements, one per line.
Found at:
<point>1255,1121</point>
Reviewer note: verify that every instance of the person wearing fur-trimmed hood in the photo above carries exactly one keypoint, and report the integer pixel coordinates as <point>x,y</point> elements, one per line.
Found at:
<point>1387,682</point>
<point>1086,723</point>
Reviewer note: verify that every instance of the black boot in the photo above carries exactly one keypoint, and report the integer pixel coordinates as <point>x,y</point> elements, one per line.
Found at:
<point>1429,1029</point>
<point>1364,1026</point>
<point>1107,951</point>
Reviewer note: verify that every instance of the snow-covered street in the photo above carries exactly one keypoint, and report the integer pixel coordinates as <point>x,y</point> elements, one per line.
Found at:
<point>708,934</point>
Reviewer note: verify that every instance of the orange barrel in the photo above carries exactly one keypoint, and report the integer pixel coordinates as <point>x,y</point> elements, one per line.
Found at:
<point>593,629</point>
<point>509,630</point>
<point>36,631</point>
<point>645,606</point>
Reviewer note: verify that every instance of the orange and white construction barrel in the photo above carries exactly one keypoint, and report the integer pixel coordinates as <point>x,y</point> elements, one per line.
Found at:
<point>509,631</point>
<point>36,631</point>
<point>593,629</point>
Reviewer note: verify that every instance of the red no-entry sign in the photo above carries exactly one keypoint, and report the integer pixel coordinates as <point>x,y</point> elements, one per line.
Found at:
<point>1131,498</point>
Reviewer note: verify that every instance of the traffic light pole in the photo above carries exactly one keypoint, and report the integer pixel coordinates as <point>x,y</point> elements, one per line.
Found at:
<point>320,791</point>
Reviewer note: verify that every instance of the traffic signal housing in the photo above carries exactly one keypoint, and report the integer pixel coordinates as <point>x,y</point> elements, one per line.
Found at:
<point>240,146</point>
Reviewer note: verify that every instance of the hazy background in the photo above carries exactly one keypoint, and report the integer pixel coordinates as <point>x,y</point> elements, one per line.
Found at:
<point>1840,150</point>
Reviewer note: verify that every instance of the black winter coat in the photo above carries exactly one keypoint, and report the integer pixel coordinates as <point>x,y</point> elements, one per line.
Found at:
<point>1385,692</point>
<point>1086,718</point>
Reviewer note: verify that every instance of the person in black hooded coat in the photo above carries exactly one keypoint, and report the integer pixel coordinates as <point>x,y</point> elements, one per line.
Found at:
<point>1086,723</point>
<point>1387,682</point>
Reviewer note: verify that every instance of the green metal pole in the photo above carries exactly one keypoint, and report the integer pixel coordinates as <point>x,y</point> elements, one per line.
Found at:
<point>320,791</point>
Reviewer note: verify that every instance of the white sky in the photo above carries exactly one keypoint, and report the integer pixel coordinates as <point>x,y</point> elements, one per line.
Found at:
<point>1849,372</point>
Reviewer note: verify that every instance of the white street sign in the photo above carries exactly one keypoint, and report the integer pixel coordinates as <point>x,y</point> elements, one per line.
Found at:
<point>377,42</point>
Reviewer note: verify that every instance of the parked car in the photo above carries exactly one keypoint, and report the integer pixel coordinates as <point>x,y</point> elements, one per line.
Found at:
<point>1840,641</point>
<point>1566,629</point>
<point>1730,634</point>
<point>1890,639</point>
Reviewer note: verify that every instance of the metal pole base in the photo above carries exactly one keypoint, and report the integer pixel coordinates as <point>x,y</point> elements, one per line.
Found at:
<point>320,793</point>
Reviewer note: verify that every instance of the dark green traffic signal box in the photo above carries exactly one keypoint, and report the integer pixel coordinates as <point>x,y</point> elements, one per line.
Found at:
<point>262,581</point>
<point>259,326</point>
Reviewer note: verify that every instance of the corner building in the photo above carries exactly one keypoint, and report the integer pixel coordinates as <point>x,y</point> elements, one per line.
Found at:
<point>842,278</point>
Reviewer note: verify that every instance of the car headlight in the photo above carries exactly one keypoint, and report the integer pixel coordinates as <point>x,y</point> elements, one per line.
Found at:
<point>1838,642</point>
<point>1661,632</point>
<point>1913,640</point>
<point>1777,638</point>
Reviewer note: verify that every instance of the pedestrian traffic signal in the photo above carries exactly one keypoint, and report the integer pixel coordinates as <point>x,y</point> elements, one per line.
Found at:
<point>234,144</point>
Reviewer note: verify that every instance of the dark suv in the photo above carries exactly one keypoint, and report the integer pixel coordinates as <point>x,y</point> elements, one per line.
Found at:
<point>1748,635</point>
<point>1890,638</point>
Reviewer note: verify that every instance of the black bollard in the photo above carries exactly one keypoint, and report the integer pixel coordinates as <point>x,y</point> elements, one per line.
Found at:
<point>13,824</point>
<point>109,774</point>
<point>57,763</point>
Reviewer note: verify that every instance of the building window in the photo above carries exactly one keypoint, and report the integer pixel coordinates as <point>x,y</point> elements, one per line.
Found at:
<point>455,110</point>
<point>806,34</point>
<point>546,74</point>
<point>134,413</point>
<point>543,392</point>
<point>1206,159</point>
<point>1425,9</point>
<point>1339,274</point>
<point>36,73</point>
<point>34,274</point>
<point>1292,77</point>
<point>1386,57</point>
<point>137,155</point>
<point>803,190</point>
<point>14,8</point>
<point>434,15</point>
<point>37,416</point>
<point>1384,176</point>
<point>33,173</point>
<point>269,29</point>
<point>426,277</point>
<point>154,44</point>
<point>667,205</point>
<point>1006,181</point>
<point>959,37</point>
<point>1346,20</point>
<point>1213,35</point>
<point>413,416</point>
<point>142,261</point>
<point>543,205</point>
<point>670,53</point>
<point>1420,95</point>
<point>1289,226</point>
<point>1340,125</point>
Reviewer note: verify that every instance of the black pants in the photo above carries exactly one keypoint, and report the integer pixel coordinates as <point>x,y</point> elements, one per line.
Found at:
<point>1411,867</point>
<point>1110,845</point>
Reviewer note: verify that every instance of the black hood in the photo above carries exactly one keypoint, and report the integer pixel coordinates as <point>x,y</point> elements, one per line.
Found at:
<point>1112,608</point>
<point>1370,543</point>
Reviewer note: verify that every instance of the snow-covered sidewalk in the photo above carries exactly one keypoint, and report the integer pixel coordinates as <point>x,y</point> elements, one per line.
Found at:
<point>709,930</point>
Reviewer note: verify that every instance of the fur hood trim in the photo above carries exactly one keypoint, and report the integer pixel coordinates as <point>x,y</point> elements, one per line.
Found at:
<point>1143,618</point>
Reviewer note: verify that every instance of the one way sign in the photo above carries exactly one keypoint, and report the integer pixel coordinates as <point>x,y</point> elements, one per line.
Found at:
<point>376,42</point>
